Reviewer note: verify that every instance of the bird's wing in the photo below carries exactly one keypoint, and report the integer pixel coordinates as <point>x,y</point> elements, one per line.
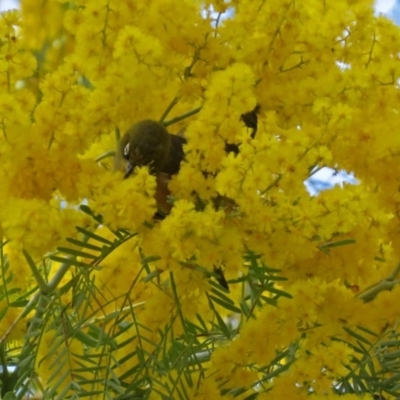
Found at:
<point>176,155</point>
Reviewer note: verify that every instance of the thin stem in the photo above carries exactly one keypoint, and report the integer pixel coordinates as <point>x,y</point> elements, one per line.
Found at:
<point>169,108</point>
<point>114,314</point>
<point>28,308</point>
<point>109,153</point>
<point>3,270</point>
<point>394,273</point>
<point>43,287</point>
<point>217,23</point>
<point>275,182</point>
<point>3,361</point>
<point>182,116</point>
<point>179,309</point>
<point>117,135</point>
<point>314,171</point>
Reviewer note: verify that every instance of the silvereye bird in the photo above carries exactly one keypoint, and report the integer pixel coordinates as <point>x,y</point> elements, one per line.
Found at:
<point>148,143</point>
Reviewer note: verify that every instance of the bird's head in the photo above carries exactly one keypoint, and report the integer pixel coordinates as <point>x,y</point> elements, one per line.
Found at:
<point>146,143</point>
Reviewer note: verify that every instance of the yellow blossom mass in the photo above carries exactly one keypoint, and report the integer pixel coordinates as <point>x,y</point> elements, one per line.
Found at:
<point>249,287</point>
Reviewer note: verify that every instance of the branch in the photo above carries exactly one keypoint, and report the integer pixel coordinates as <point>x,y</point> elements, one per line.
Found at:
<point>42,284</point>
<point>169,108</point>
<point>109,153</point>
<point>112,315</point>
<point>182,117</point>
<point>385,284</point>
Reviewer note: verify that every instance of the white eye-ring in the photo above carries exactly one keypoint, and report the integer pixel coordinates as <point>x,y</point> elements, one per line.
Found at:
<point>126,150</point>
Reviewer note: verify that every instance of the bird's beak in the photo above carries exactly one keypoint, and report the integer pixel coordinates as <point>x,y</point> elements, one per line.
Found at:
<point>129,169</point>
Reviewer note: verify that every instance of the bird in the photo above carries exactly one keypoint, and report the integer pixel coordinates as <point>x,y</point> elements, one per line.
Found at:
<point>148,143</point>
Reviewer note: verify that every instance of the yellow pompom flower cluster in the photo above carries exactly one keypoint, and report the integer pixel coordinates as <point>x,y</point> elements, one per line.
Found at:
<point>139,295</point>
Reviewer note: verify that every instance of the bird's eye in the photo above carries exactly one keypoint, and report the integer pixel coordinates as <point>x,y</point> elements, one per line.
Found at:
<point>126,150</point>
